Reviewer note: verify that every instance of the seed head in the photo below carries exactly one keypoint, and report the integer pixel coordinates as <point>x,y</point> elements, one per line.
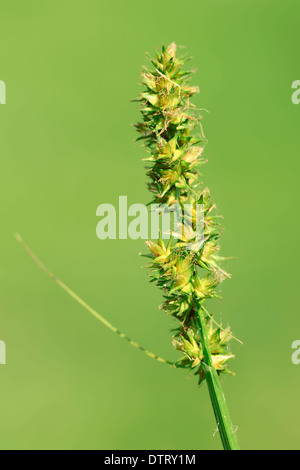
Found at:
<point>172,133</point>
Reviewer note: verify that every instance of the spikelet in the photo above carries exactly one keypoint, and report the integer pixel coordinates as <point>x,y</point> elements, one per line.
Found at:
<point>173,136</point>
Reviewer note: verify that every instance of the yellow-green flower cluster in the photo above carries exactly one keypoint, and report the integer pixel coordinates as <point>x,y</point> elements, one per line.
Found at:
<point>173,136</point>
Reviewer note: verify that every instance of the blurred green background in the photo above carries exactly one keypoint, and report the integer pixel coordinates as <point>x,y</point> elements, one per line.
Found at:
<point>67,145</point>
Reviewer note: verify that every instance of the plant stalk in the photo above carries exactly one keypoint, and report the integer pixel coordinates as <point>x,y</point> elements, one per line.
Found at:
<point>86,306</point>
<point>225,426</point>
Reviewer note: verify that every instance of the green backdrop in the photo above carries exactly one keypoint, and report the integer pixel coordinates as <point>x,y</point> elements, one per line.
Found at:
<point>67,145</point>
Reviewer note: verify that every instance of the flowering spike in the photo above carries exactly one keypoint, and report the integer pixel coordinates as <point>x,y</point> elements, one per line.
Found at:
<point>173,136</point>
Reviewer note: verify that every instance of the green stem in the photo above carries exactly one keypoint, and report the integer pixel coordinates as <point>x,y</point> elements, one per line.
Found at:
<point>86,306</point>
<point>219,404</point>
